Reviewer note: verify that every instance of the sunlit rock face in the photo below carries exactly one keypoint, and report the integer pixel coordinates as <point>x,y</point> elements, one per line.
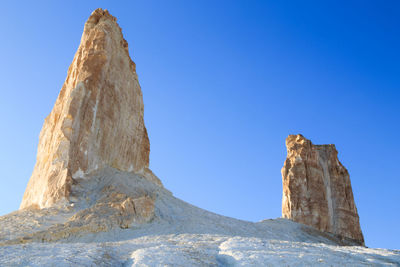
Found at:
<point>317,189</point>
<point>97,120</point>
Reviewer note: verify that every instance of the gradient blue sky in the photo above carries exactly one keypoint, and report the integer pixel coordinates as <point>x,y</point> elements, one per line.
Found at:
<point>224,83</point>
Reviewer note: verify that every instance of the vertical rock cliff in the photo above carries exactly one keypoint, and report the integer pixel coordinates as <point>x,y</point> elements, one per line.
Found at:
<point>97,120</point>
<point>317,189</point>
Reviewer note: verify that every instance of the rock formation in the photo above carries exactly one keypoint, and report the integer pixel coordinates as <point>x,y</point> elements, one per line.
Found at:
<point>91,180</point>
<point>317,189</point>
<point>97,120</point>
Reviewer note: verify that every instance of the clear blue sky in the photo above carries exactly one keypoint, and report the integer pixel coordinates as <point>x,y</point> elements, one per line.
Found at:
<point>224,83</point>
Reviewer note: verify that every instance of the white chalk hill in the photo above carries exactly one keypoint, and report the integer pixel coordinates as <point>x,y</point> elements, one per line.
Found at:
<point>178,234</point>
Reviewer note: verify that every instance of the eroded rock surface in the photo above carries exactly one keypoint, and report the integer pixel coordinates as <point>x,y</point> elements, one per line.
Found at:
<point>97,120</point>
<point>109,200</point>
<point>317,189</point>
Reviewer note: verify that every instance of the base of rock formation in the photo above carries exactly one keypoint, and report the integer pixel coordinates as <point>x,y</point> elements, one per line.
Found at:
<point>122,219</point>
<point>110,199</point>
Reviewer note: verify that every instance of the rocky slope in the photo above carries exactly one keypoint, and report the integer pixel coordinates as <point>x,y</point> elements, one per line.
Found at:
<point>175,234</point>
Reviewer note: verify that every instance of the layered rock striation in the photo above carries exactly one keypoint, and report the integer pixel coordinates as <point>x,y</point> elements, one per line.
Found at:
<point>317,189</point>
<point>97,120</point>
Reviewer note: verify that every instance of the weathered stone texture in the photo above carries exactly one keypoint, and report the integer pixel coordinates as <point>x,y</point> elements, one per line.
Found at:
<point>317,189</point>
<point>97,120</point>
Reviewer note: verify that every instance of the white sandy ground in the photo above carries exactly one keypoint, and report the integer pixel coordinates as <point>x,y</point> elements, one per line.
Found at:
<point>195,250</point>
<point>180,235</point>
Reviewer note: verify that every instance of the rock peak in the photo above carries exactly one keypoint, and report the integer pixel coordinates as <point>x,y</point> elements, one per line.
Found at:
<point>298,139</point>
<point>317,189</point>
<point>97,120</point>
<point>100,18</point>
<point>99,13</point>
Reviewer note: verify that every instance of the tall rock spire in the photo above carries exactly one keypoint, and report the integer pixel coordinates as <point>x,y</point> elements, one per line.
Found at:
<point>97,120</point>
<point>317,189</point>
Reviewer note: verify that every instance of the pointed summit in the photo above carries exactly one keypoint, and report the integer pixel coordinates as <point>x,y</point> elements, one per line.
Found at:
<point>97,120</point>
